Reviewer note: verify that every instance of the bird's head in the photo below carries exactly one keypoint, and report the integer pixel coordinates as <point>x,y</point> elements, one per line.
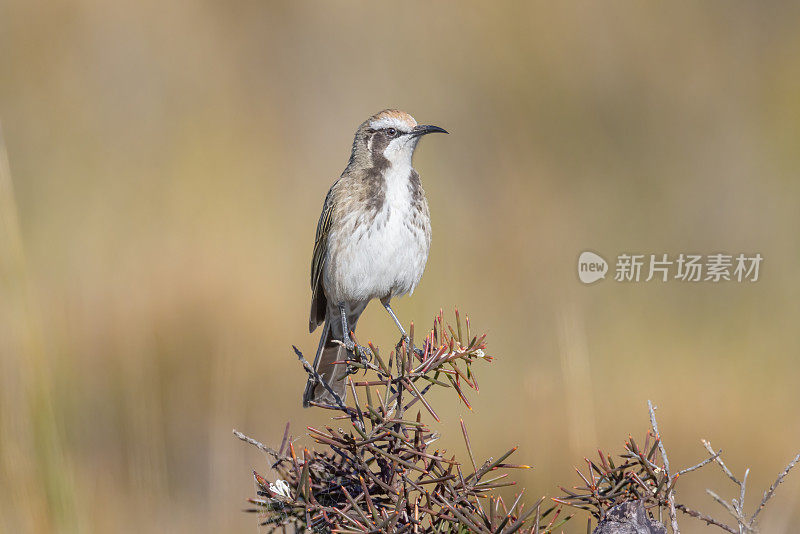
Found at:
<point>389,137</point>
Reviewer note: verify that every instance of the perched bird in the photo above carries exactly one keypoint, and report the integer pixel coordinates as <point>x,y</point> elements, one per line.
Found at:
<point>372,242</point>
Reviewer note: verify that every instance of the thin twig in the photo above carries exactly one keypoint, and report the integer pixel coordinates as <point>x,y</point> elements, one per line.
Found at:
<point>701,464</point>
<point>707,445</point>
<point>673,516</point>
<point>258,444</point>
<point>313,372</point>
<point>709,520</point>
<point>771,491</point>
<point>725,504</point>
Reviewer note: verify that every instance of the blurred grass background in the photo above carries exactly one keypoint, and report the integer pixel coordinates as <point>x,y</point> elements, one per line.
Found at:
<point>169,161</point>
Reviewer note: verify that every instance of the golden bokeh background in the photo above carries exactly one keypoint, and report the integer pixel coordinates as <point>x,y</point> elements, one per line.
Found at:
<point>168,161</point>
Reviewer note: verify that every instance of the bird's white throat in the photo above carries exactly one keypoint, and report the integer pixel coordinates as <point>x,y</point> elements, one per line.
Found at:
<point>398,190</point>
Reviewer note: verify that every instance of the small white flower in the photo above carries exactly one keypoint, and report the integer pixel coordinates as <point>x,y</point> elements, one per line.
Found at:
<point>281,488</point>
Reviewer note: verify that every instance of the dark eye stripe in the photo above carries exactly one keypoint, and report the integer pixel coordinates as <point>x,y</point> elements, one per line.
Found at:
<point>386,130</point>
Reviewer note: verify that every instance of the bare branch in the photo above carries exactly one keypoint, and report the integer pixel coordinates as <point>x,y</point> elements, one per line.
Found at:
<point>771,491</point>
<point>673,516</point>
<point>257,444</point>
<point>725,504</point>
<point>701,464</point>
<point>313,372</point>
<point>707,445</point>
<point>709,520</point>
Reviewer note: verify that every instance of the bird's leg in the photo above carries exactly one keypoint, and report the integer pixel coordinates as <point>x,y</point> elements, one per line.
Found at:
<point>396,321</point>
<point>400,327</point>
<point>349,344</point>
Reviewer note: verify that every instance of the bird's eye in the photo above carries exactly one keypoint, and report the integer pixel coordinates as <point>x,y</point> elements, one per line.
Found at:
<point>391,132</point>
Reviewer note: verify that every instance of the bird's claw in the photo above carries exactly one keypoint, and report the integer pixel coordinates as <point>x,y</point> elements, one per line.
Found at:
<point>359,353</point>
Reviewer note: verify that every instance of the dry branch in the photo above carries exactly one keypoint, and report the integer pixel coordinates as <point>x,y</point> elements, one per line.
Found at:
<point>383,473</point>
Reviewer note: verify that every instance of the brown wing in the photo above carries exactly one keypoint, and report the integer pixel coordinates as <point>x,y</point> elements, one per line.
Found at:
<point>319,302</point>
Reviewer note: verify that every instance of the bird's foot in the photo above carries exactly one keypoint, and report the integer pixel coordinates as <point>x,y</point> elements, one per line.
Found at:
<point>360,352</point>
<point>355,353</point>
<point>360,355</point>
<point>364,354</point>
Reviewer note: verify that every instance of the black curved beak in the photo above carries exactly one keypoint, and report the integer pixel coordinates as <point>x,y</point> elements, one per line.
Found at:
<point>425,129</point>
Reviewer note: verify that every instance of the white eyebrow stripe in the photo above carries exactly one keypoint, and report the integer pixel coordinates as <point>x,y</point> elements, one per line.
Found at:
<point>390,122</point>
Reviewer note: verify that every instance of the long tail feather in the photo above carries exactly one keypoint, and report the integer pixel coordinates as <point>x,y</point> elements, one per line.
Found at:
<point>334,374</point>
